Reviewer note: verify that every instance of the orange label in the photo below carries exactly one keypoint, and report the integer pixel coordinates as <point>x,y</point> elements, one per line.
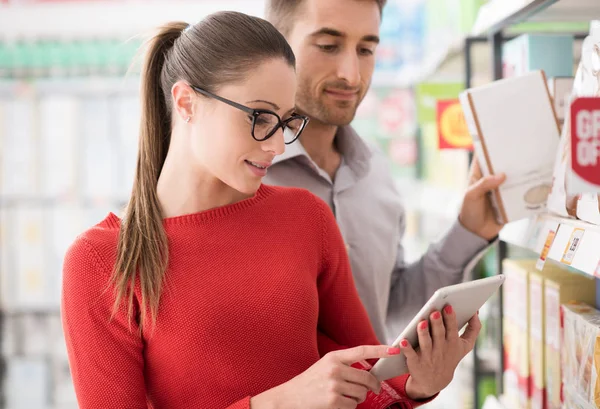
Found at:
<point>546,250</point>
<point>452,128</point>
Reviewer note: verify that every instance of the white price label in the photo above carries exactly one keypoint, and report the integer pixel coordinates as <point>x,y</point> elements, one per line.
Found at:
<point>572,246</point>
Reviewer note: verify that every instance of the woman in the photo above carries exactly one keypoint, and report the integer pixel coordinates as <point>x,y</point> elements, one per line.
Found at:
<point>213,290</point>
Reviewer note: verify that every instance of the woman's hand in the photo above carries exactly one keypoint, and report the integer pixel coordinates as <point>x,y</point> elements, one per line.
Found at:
<point>331,383</point>
<point>440,351</point>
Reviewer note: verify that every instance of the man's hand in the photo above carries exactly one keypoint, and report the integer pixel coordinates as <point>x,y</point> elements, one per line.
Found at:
<point>476,214</point>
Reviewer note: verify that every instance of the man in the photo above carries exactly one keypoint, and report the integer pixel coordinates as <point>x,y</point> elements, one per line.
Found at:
<point>334,42</point>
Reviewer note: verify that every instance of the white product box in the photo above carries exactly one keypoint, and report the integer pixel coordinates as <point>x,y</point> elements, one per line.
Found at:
<point>36,331</point>
<point>99,165</point>
<point>63,394</point>
<point>27,384</point>
<point>19,170</point>
<point>30,283</point>
<point>127,125</point>
<point>515,131</point>
<point>64,223</point>
<point>588,208</point>
<point>59,118</point>
<point>560,90</point>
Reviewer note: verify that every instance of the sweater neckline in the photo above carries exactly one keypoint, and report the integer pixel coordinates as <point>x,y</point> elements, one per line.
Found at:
<point>207,215</point>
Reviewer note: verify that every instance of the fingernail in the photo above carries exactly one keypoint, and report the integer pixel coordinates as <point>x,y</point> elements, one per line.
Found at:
<point>437,315</point>
<point>423,325</point>
<point>393,351</point>
<point>448,309</point>
<point>404,343</point>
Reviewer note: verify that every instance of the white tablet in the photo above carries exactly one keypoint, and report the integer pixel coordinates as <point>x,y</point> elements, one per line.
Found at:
<point>465,298</point>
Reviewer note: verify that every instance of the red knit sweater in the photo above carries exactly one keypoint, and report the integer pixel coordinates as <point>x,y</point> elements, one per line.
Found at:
<point>256,292</point>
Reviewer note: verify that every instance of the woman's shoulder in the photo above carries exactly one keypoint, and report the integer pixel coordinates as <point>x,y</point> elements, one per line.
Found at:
<point>296,198</point>
<point>96,247</point>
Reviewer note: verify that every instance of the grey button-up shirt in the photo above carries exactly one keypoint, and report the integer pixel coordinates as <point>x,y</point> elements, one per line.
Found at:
<point>371,218</point>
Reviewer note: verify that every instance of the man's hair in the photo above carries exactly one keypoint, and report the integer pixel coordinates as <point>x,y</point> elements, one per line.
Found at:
<point>282,13</point>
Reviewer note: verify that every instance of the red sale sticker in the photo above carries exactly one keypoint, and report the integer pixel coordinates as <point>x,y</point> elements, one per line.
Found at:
<point>585,145</point>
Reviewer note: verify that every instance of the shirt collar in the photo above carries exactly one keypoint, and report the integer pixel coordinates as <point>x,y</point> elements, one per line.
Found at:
<point>355,152</point>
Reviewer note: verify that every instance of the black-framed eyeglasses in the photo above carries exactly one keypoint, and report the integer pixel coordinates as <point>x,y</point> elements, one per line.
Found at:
<point>264,122</point>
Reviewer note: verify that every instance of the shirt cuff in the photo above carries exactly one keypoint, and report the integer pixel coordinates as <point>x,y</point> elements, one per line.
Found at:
<point>460,246</point>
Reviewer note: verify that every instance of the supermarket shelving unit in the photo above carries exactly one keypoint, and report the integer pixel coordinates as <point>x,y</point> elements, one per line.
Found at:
<point>496,25</point>
<point>528,233</point>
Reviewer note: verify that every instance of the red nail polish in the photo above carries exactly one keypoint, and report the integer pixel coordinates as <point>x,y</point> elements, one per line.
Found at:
<point>448,309</point>
<point>404,343</point>
<point>423,325</point>
<point>437,315</point>
<point>393,351</point>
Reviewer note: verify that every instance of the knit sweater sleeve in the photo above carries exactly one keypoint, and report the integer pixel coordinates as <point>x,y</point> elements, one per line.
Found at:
<point>105,355</point>
<point>343,321</point>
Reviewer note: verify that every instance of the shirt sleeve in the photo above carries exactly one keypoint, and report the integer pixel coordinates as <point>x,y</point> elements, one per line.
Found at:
<point>343,321</point>
<point>105,355</point>
<point>445,263</point>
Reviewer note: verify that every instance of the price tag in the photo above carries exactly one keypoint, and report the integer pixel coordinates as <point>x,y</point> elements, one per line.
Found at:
<point>547,245</point>
<point>572,246</point>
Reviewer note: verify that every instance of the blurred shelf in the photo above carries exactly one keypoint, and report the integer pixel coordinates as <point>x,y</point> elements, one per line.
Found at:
<point>78,19</point>
<point>575,244</point>
<point>498,16</point>
<point>71,86</point>
<point>46,202</point>
<point>19,311</point>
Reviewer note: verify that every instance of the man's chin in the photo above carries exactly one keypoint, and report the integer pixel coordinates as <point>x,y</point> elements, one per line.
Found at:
<point>339,117</point>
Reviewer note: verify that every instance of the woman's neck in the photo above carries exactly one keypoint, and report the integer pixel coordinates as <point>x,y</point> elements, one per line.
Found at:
<point>185,189</point>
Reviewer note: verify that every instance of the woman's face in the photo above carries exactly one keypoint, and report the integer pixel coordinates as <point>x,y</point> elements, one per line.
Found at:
<point>222,142</point>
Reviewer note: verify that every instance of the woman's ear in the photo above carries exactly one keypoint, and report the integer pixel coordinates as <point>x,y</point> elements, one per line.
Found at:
<point>183,100</point>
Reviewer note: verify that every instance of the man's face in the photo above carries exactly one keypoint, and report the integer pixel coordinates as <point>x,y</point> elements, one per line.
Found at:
<point>334,42</point>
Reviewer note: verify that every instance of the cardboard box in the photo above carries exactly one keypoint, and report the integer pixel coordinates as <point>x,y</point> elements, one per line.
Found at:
<point>515,112</point>
<point>558,291</point>
<point>581,351</point>
<point>588,208</point>
<point>532,52</point>
<point>517,376</point>
<point>537,329</point>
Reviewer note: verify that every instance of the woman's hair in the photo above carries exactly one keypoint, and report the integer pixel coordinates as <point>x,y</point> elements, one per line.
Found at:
<point>221,49</point>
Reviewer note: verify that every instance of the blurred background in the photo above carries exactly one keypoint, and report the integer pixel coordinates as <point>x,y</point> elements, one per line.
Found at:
<point>69,113</point>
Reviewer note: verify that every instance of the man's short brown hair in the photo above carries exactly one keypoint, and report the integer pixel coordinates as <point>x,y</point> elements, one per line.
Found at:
<point>283,12</point>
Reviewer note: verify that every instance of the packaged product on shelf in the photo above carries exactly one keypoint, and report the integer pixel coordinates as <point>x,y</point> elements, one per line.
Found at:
<point>35,342</point>
<point>537,329</point>
<point>99,173</point>
<point>9,336</point>
<point>581,351</point>
<point>499,121</point>
<point>19,172</point>
<point>30,284</point>
<point>127,125</point>
<point>59,130</point>
<point>557,291</point>
<point>559,201</point>
<point>587,84</point>
<point>64,223</point>
<point>27,383</point>
<point>572,400</point>
<point>63,393</point>
<point>532,52</point>
<point>560,90</point>
<point>517,381</point>
<point>588,208</point>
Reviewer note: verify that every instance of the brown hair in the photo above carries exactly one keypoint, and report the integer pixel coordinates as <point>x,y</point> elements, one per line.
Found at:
<point>221,49</point>
<point>283,13</point>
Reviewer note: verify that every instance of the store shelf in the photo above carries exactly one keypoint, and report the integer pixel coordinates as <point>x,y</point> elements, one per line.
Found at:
<point>497,16</point>
<point>575,244</point>
<point>104,18</point>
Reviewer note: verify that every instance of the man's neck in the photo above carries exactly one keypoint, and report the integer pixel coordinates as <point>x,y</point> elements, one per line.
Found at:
<point>318,140</point>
